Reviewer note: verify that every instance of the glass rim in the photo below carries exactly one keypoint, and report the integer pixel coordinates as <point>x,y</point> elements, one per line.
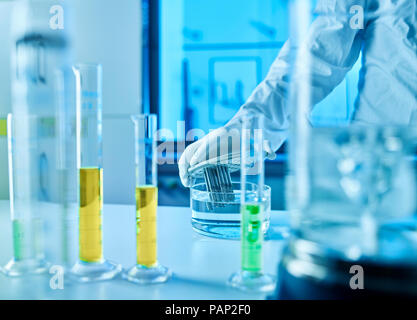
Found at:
<point>95,66</point>
<point>195,188</point>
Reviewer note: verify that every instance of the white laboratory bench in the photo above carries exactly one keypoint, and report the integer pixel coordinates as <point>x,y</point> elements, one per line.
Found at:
<point>200,265</point>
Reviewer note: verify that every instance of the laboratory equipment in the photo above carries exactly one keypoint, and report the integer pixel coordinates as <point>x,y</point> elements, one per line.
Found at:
<point>352,183</point>
<point>147,269</point>
<point>91,265</point>
<point>218,182</point>
<point>251,277</point>
<point>212,157</point>
<point>63,227</point>
<point>215,193</point>
<point>39,58</point>
<point>217,214</point>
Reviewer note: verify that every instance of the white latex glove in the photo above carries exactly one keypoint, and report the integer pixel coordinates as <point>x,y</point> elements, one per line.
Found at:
<point>219,145</point>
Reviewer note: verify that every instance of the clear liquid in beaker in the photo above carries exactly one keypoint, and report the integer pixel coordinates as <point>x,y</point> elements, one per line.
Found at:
<point>222,219</point>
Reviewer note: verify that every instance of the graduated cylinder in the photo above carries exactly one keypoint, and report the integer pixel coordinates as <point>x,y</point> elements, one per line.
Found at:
<point>90,171</point>
<point>252,206</point>
<point>91,265</point>
<point>146,190</point>
<point>252,203</point>
<point>147,270</point>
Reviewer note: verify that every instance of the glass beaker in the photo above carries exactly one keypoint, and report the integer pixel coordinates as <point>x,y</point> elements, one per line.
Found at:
<point>221,218</point>
<point>215,192</point>
<point>147,269</point>
<point>91,265</point>
<point>352,179</point>
<point>252,208</point>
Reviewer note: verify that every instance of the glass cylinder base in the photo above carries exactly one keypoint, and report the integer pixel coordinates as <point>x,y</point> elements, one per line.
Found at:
<point>17,268</point>
<point>252,281</point>
<point>144,275</point>
<point>94,271</point>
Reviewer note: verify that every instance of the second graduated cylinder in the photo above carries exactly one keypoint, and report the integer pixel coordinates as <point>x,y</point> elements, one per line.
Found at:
<point>146,189</point>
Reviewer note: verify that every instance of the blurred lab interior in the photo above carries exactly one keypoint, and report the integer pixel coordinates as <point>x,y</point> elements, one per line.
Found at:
<point>336,163</point>
<point>191,61</point>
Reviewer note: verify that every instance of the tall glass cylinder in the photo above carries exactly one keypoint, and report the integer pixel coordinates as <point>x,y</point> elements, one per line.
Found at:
<point>91,266</point>
<point>252,207</point>
<point>39,56</point>
<point>89,161</point>
<point>65,234</point>
<point>147,269</point>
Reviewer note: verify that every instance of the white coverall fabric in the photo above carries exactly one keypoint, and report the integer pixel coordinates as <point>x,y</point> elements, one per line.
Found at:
<point>388,77</point>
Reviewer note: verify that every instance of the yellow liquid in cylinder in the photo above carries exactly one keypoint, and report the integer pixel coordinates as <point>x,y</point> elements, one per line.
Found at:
<point>91,191</point>
<point>146,204</point>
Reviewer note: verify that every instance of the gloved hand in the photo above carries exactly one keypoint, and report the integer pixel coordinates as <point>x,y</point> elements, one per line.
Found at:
<point>222,143</point>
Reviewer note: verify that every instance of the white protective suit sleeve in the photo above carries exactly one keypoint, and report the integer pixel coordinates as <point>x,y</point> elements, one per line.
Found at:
<point>334,46</point>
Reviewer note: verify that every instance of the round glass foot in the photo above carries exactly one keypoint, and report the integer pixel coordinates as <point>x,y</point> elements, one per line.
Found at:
<point>16,268</point>
<point>252,281</point>
<point>144,275</point>
<point>94,271</point>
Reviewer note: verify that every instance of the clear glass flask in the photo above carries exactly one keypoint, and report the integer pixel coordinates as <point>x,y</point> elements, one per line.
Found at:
<point>91,265</point>
<point>352,183</point>
<point>252,208</point>
<point>147,269</point>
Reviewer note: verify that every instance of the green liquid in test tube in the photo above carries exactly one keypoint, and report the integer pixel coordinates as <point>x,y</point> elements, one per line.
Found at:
<point>252,237</point>
<point>250,277</point>
<point>27,248</point>
<point>18,247</point>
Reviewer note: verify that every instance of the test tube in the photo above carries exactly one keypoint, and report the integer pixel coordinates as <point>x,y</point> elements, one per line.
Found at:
<point>251,276</point>
<point>147,269</point>
<point>91,265</point>
<point>27,222</point>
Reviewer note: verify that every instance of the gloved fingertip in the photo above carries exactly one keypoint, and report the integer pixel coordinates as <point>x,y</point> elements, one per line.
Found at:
<point>186,182</point>
<point>195,159</point>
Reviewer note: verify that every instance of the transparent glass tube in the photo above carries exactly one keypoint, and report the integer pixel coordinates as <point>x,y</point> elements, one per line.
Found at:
<point>147,269</point>
<point>251,277</point>
<point>66,171</point>
<point>91,265</point>
<point>38,55</point>
<point>27,221</point>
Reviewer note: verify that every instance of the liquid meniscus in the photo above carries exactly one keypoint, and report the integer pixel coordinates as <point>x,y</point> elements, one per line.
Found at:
<point>252,237</point>
<point>146,206</point>
<point>90,210</point>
